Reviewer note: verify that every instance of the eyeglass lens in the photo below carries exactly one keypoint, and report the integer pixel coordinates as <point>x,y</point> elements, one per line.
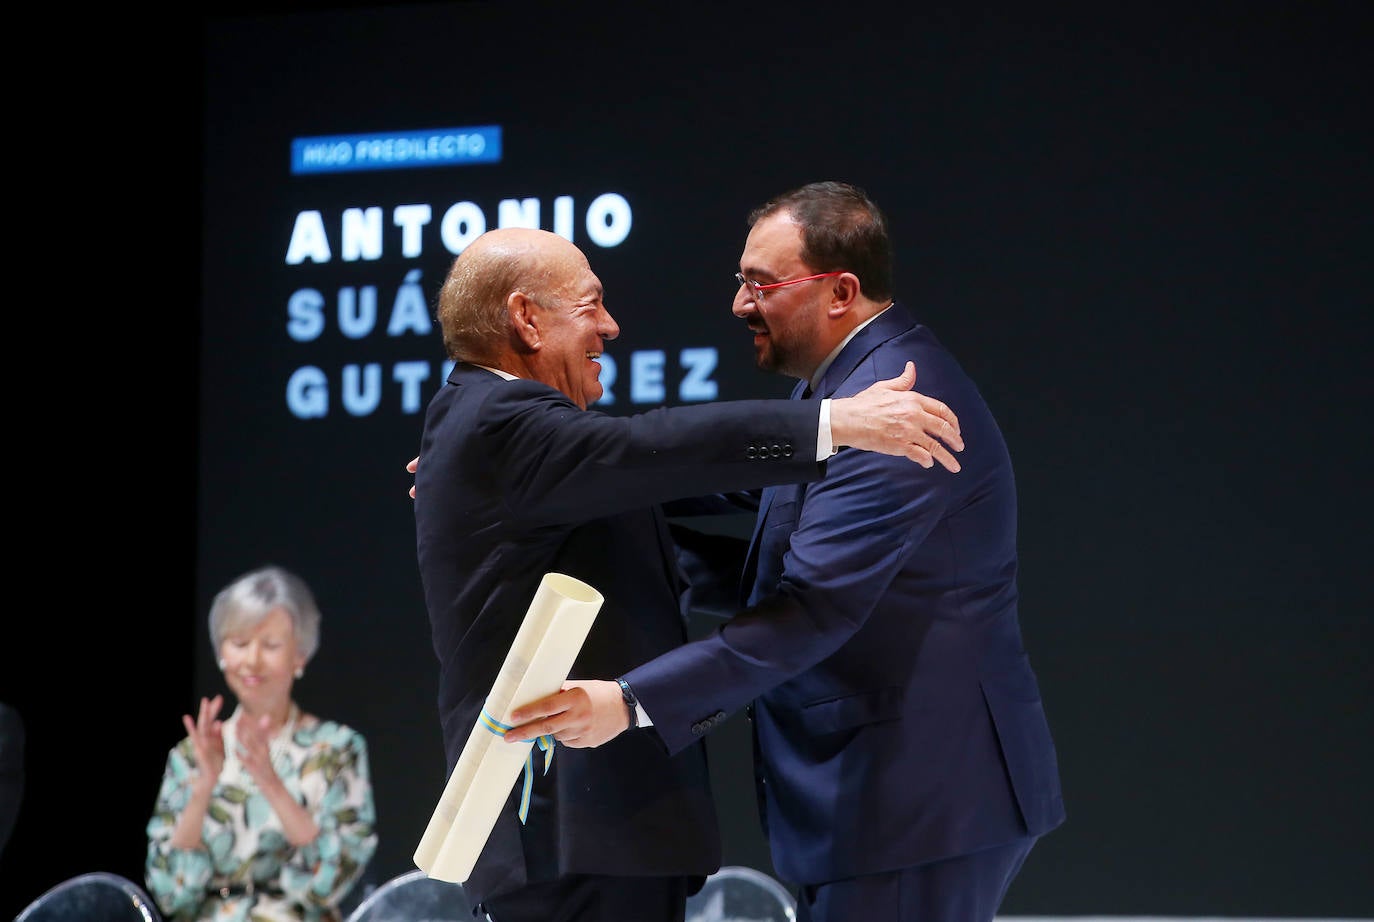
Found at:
<point>753,286</point>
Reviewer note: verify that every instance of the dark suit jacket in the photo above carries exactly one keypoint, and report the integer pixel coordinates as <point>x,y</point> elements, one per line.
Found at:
<point>516,481</point>
<point>898,720</point>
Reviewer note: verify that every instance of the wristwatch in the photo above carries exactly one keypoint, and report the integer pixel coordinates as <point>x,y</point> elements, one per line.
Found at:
<point>631,702</point>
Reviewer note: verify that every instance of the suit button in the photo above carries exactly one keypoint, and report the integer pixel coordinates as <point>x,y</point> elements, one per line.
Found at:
<point>751,453</point>
<point>787,450</point>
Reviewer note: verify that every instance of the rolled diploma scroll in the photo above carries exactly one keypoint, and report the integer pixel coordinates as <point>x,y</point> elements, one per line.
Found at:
<point>539,660</point>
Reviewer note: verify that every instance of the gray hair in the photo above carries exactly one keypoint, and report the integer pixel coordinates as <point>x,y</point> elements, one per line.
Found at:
<point>247,600</point>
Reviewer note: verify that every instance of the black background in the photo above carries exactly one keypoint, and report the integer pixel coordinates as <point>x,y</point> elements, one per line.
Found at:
<point>1146,233</point>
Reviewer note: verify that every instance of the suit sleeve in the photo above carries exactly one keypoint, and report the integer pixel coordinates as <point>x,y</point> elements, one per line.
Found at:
<point>855,530</point>
<point>558,463</point>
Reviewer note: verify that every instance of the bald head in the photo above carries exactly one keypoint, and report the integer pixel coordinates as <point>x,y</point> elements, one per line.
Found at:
<point>473,303</point>
<point>527,302</point>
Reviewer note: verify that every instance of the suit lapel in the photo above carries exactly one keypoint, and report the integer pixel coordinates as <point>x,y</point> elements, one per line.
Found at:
<point>892,322</point>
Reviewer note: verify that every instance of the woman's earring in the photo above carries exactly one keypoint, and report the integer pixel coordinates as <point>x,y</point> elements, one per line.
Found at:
<point>300,673</point>
<point>222,664</point>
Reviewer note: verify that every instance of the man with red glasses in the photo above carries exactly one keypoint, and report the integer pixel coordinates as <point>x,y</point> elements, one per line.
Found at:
<point>904,760</point>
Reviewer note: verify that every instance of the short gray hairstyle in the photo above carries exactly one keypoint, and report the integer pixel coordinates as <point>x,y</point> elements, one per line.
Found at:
<point>247,600</point>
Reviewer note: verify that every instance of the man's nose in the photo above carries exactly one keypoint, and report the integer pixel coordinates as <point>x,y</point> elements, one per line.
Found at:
<point>743,304</point>
<point>609,328</point>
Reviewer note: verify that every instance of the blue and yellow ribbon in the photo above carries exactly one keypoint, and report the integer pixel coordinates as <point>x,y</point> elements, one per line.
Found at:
<point>546,743</point>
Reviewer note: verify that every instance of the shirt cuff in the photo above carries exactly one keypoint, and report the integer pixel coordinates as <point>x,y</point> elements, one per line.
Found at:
<point>825,445</point>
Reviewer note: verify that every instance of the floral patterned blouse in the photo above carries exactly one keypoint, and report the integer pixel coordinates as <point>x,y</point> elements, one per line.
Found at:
<point>247,871</point>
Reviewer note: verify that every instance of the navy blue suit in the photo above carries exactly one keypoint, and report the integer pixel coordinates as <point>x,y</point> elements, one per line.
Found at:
<point>897,718</point>
<point>516,481</point>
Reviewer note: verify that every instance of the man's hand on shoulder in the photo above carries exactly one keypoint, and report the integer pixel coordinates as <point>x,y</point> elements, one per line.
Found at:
<point>891,418</point>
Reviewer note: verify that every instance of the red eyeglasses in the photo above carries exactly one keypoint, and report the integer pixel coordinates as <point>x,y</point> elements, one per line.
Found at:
<point>757,290</point>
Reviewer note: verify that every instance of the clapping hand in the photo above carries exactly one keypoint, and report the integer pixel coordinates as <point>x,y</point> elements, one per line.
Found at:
<point>207,738</point>
<point>254,748</point>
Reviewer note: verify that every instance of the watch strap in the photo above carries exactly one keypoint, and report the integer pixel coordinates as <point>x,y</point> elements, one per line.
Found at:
<point>631,702</point>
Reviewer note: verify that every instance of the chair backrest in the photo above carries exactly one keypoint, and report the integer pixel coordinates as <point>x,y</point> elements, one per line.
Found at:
<point>95,897</point>
<point>740,894</point>
<point>414,897</point>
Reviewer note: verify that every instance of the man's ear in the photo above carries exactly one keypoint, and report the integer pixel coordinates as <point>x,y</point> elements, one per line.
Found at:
<point>524,318</point>
<point>843,293</point>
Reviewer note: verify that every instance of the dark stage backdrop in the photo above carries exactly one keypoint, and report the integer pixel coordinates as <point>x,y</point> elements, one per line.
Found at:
<point>1146,233</point>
